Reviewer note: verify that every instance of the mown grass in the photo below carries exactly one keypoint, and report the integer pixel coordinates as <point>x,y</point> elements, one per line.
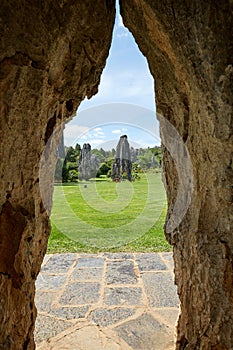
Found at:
<point>97,216</point>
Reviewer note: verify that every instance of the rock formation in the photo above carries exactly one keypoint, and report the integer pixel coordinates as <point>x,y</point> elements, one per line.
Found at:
<point>52,54</point>
<point>189,50</point>
<point>134,154</point>
<point>84,166</point>
<point>122,165</point>
<point>61,153</point>
<point>95,164</point>
<point>88,163</point>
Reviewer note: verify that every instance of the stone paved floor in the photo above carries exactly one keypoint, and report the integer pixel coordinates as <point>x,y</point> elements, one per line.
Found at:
<point>114,301</point>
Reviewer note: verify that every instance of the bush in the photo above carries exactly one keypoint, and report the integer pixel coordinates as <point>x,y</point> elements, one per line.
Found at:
<point>103,169</point>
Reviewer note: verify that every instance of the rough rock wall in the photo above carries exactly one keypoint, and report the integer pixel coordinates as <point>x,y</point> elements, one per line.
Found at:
<point>189,48</point>
<point>51,56</point>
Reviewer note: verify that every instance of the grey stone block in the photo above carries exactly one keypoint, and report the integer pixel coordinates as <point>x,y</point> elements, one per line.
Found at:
<point>145,333</point>
<point>150,262</point>
<point>107,317</point>
<point>120,272</point>
<point>160,289</point>
<point>81,293</point>
<point>123,296</point>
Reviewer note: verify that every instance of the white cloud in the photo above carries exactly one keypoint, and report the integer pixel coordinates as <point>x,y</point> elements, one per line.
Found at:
<point>73,133</point>
<point>116,131</point>
<point>97,129</point>
<point>96,134</point>
<point>122,35</point>
<point>72,130</point>
<point>120,23</point>
<point>95,142</point>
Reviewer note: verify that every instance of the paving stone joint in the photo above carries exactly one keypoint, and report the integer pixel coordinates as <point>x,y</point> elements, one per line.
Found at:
<point>132,297</point>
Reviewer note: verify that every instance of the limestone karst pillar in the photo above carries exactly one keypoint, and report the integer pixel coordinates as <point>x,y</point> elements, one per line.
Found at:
<point>122,165</point>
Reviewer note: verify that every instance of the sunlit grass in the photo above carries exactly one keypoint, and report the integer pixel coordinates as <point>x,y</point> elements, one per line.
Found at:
<point>105,216</point>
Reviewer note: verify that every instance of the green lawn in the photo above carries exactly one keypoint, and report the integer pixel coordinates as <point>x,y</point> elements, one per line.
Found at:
<point>99,216</point>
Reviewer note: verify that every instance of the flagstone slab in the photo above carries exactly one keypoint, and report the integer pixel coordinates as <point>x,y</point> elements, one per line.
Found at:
<point>59,263</point>
<point>123,296</point>
<point>47,327</point>
<point>160,289</point>
<point>50,281</point>
<point>87,274</point>
<point>70,313</point>
<point>109,301</point>
<point>145,333</point>
<point>120,272</point>
<point>105,317</point>
<point>81,293</point>
<point>90,262</point>
<point>150,262</point>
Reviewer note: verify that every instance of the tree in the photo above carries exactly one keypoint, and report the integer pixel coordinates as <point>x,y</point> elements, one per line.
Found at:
<point>104,169</point>
<point>136,171</point>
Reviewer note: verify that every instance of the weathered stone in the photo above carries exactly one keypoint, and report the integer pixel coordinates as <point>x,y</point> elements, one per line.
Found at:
<point>122,166</point>
<point>70,313</point>
<point>123,296</point>
<point>59,263</point>
<point>61,153</point>
<point>51,57</point>
<point>44,301</point>
<point>88,163</point>
<point>86,262</point>
<point>85,336</point>
<point>150,262</point>
<point>80,293</point>
<point>121,272</point>
<point>160,289</point>
<point>189,55</point>
<point>107,317</point>
<point>115,305</point>
<point>47,327</point>
<point>169,316</point>
<point>145,330</point>
<point>84,165</point>
<point>87,274</point>
<point>168,257</point>
<point>119,256</point>
<point>50,282</point>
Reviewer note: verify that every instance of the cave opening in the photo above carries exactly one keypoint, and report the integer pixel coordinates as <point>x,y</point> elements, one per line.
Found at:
<point>53,54</point>
<point>124,104</point>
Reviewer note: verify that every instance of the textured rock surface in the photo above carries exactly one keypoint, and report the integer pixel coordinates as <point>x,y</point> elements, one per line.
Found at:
<point>141,312</point>
<point>122,165</point>
<point>189,49</point>
<point>51,56</point>
<point>88,163</point>
<point>84,166</point>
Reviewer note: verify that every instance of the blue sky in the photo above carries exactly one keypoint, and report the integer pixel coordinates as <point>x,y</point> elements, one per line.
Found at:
<point>125,103</point>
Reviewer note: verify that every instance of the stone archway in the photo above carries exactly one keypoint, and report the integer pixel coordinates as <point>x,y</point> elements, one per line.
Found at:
<point>52,55</point>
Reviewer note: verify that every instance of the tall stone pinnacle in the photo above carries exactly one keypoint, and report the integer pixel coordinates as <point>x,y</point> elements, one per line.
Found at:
<point>84,166</point>
<point>122,165</point>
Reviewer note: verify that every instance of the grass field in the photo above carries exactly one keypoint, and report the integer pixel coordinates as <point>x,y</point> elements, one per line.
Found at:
<point>99,216</point>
